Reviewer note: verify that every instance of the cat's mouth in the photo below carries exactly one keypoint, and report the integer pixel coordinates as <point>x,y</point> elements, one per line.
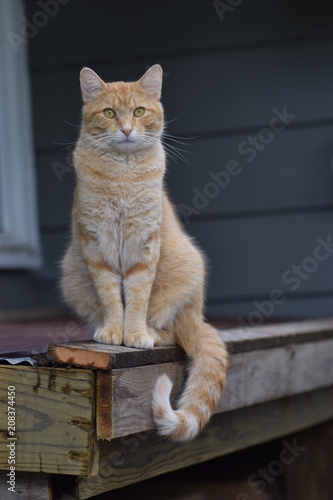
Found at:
<point>127,142</point>
<point>126,139</point>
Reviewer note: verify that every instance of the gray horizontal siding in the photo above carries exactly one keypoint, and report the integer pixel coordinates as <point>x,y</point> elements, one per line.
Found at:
<point>219,93</point>
<point>247,257</point>
<point>224,79</point>
<point>248,312</point>
<point>295,170</point>
<point>85,31</point>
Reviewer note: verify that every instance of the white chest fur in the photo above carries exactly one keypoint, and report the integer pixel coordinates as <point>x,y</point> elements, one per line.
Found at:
<point>122,220</point>
<point>120,202</point>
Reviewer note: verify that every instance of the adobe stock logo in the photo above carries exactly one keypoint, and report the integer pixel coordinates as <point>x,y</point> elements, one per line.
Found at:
<point>224,7</point>
<point>117,458</point>
<point>259,479</point>
<point>248,150</point>
<point>293,277</point>
<point>30,28</point>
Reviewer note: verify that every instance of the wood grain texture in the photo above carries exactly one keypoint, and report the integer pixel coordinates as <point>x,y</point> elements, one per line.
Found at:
<point>253,377</point>
<point>310,476</point>
<point>54,419</point>
<point>242,339</point>
<point>125,408</point>
<point>138,457</point>
<point>29,486</point>
<point>105,357</point>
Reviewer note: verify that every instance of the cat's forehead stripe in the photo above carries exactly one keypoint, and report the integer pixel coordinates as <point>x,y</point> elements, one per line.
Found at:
<point>122,94</point>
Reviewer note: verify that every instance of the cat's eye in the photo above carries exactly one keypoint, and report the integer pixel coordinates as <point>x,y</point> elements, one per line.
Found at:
<point>109,113</point>
<point>139,112</point>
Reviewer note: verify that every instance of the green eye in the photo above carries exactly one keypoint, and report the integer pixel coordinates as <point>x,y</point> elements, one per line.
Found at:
<point>139,112</point>
<point>109,113</point>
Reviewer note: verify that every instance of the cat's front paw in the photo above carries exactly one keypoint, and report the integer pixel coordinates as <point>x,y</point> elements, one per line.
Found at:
<point>139,338</point>
<point>109,334</point>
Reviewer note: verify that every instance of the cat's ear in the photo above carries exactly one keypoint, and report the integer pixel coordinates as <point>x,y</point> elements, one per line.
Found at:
<point>91,84</point>
<point>151,81</point>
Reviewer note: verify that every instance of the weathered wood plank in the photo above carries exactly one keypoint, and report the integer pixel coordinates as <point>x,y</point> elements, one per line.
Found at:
<point>253,377</point>
<point>242,339</point>
<point>136,458</point>
<point>29,486</point>
<point>106,357</point>
<point>122,392</point>
<point>310,476</point>
<point>54,419</point>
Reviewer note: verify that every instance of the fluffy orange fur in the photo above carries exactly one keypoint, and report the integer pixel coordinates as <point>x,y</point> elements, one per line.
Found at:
<point>130,270</point>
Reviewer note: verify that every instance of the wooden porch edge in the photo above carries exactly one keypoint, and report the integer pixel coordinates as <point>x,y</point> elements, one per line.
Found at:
<point>253,377</point>
<point>131,459</point>
<point>243,339</point>
<point>54,423</point>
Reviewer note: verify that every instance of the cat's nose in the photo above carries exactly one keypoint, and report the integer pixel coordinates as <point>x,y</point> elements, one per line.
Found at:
<point>126,131</point>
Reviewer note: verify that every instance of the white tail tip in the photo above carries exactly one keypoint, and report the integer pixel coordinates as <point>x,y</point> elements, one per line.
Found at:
<point>175,424</point>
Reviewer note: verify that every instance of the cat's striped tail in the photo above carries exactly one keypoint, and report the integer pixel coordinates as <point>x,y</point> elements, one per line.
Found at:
<point>203,389</point>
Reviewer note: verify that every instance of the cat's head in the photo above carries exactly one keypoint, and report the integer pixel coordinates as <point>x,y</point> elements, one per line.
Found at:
<point>122,116</point>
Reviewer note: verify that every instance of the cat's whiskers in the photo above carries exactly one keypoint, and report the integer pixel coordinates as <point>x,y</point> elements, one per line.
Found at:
<point>72,124</point>
<point>81,141</point>
<point>171,150</point>
<point>169,138</point>
<point>170,147</point>
<point>174,119</point>
<point>123,226</point>
<point>64,143</point>
<point>102,147</point>
<point>174,153</point>
<point>95,145</point>
<point>183,138</point>
<point>95,139</point>
<point>98,143</point>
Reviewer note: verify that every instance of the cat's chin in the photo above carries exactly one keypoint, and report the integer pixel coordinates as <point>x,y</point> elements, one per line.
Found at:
<point>128,146</point>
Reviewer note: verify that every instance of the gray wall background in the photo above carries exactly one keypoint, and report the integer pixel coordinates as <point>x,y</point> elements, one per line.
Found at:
<point>223,80</point>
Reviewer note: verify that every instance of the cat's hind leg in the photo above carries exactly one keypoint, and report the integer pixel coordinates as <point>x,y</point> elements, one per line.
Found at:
<point>165,337</point>
<point>177,280</point>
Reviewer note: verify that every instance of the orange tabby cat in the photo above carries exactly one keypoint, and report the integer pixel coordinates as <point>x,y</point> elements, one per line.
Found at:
<point>130,270</point>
